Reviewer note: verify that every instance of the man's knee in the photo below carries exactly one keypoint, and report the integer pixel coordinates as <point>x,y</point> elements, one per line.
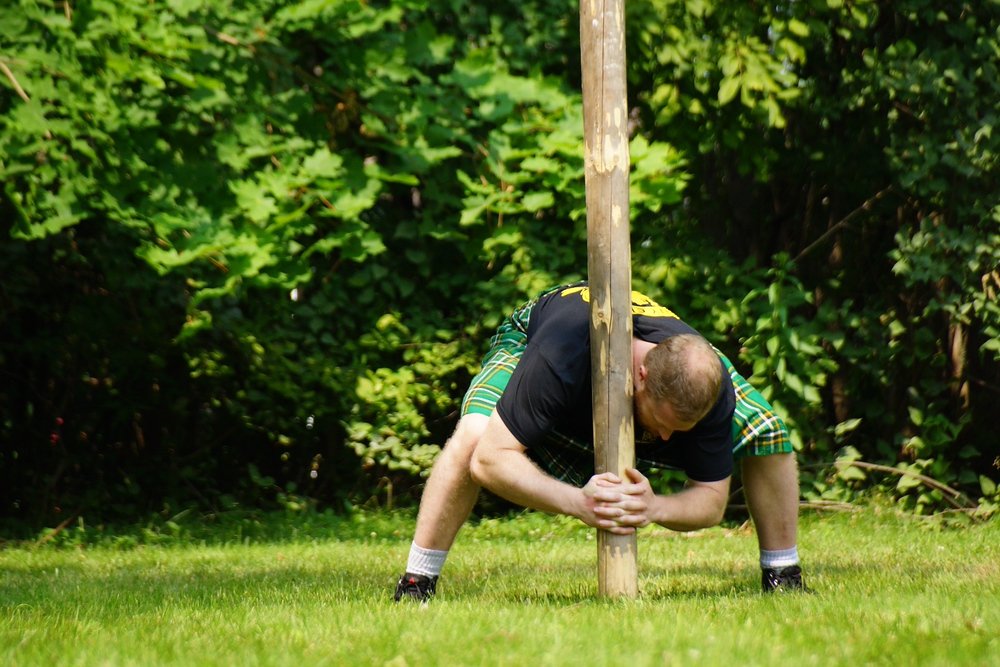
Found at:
<point>462,443</point>
<point>771,464</point>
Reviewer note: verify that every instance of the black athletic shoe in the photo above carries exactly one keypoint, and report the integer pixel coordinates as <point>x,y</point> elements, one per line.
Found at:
<point>415,586</point>
<point>782,579</point>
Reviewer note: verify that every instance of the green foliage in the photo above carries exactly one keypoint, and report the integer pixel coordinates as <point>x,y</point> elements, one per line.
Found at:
<point>388,427</point>
<point>849,170</point>
<point>790,350</point>
<point>275,236</point>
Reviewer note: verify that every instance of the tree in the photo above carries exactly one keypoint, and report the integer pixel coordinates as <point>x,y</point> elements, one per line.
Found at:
<point>256,246</point>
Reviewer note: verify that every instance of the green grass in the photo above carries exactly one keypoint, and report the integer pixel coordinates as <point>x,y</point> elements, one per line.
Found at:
<point>889,589</point>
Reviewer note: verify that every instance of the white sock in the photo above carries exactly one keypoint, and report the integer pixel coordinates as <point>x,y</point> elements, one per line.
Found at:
<point>779,558</point>
<point>427,562</point>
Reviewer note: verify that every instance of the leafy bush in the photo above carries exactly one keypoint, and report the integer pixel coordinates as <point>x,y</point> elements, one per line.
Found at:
<point>254,251</point>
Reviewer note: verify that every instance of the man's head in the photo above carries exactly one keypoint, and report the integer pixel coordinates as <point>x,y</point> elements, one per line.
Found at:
<point>678,383</point>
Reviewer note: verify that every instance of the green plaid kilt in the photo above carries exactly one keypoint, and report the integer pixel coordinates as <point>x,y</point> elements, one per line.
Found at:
<point>757,430</point>
<point>505,350</point>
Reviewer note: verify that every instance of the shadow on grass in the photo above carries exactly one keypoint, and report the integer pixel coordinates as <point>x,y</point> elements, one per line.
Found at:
<point>577,584</point>
<point>286,581</point>
<point>136,588</point>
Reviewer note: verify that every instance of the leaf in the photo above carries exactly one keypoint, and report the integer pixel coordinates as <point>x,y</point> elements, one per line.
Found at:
<point>29,118</point>
<point>12,23</point>
<point>845,427</point>
<point>848,454</point>
<point>182,77</point>
<point>471,215</point>
<point>797,27</point>
<point>535,201</point>
<point>435,154</point>
<point>541,163</point>
<point>59,211</point>
<point>991,345</point>
<point>852,473</point>
<point>323,164</point>
<point>184,7</point>
<point>907,482</point>
<point>794,383</point>
<point>500,240</point>
<point>349,204</point>
<point>728,89</point>
<point>253,200</point>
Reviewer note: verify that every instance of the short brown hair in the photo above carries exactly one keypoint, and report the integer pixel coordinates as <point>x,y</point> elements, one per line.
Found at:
<point>685,372</point>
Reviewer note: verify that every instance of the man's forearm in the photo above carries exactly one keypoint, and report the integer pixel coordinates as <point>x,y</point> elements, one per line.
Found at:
<point>693,508</point>
<point>513,476</point>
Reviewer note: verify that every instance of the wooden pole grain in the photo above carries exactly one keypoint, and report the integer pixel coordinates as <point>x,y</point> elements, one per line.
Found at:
<point>609,262</point>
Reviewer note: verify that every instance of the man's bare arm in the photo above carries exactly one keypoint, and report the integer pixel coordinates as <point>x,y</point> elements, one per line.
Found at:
<point>698,505</point>
<point>501,465</point>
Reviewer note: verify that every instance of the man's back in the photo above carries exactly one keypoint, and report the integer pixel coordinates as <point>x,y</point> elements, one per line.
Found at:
<point>549,394</point>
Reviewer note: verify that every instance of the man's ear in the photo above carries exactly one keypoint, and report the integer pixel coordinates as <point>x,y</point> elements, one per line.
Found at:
<point>642,374</point>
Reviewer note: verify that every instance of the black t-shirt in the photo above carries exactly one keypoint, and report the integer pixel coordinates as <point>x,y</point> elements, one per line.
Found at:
<point>550,389</point>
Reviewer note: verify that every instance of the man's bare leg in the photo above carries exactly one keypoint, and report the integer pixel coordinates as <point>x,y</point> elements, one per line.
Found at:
<point>448,499</point>
<point>450,493</point>
<point>771,485</point>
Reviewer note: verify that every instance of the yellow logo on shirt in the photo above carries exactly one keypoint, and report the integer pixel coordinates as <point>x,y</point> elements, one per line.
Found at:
<point>641,304</point>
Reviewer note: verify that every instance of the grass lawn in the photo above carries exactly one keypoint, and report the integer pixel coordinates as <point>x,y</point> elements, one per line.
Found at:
<point>889,589</point>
